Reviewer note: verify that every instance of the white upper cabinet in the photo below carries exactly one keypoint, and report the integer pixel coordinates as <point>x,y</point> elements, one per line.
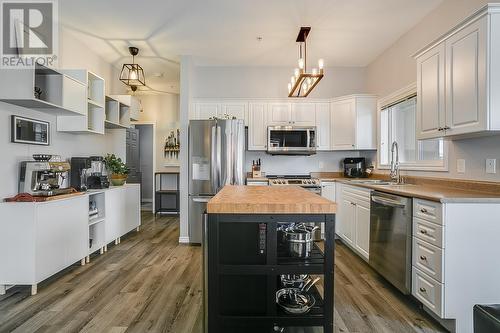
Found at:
<point>323,126</point>
<point>280,114</point>
<point>430,86</point>
<point>239,110</point>
<point>257,126</point>
<point>207,110</point>
<point>458,79</point>
<point>343,124</point>
<point>466,80</point>
<point>353,121</point>
<point>304,114</point>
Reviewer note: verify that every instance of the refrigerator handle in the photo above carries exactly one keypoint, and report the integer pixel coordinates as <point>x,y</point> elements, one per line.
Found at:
<point>213,160</point>
<point>219,158</point>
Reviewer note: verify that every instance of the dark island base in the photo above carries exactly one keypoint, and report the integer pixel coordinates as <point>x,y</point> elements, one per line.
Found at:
<point>243,264</point>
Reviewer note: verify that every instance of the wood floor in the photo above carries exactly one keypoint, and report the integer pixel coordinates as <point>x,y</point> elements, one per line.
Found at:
<point>150,283</point>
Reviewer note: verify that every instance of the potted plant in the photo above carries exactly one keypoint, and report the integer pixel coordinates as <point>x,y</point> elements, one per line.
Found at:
<point>117,169</point>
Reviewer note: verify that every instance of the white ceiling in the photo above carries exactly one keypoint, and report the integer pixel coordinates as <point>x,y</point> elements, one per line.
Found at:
<point>224,32</point>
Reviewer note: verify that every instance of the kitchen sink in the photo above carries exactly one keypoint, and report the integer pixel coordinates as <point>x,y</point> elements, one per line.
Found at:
<point>370,181</point>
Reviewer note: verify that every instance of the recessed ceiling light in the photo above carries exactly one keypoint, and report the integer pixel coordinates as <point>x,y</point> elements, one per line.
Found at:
<point>259,38</point>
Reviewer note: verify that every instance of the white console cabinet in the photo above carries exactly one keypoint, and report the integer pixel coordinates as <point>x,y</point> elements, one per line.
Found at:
<point>38,240</point>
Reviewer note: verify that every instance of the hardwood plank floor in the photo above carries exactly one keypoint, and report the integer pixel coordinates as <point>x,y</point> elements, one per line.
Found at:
<point>150,283</point>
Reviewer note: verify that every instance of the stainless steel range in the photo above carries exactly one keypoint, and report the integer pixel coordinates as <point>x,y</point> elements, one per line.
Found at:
<point>304,181</point>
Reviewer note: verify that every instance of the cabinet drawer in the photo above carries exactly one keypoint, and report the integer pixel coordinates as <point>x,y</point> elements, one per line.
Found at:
<point>428,291</point>
<point>428,210</point>
<point>358,193</point>
<point>428,258</point>
<point>428,231</point>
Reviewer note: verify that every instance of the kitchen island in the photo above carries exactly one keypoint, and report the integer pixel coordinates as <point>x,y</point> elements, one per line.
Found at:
<point>246,259</point>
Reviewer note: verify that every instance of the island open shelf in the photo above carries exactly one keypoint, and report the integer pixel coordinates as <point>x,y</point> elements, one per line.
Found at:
<point>244,260</point>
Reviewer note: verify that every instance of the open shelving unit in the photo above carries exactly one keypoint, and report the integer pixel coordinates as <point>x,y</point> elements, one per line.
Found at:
<point>97,220</point>
<point>94,119</point>
<point>238,268</point>
<point>167,192</point>
<point>61,93</point>
<point>117,114</point>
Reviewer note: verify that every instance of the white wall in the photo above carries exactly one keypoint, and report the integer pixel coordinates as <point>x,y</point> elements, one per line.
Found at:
<point>395,68</point>
<point>163,111</point>
<point>299,165</point>
<point>271,82</point>
<point>72,55</point>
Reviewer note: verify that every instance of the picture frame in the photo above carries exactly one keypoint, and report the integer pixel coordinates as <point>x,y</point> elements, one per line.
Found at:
<point>30,131</point>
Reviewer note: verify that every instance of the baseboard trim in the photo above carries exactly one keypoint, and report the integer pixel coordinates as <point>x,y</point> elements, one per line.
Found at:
<point>184,240</point>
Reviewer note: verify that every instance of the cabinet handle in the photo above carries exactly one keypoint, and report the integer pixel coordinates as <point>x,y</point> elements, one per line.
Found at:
<point>423,232</point>
<point>423,290</point>
<point>423,210</point>
<point>446,128</point>
<point>423,258</point>
<point>440,129</point>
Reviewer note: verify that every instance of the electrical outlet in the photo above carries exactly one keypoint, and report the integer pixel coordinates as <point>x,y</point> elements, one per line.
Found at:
<point>321,165</point>
<point>491,165</point>
<point>461,166</point>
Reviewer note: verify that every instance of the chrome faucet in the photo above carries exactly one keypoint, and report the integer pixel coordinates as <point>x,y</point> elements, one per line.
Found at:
<point>395,175</point>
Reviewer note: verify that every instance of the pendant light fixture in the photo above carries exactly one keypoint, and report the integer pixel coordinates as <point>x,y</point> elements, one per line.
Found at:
<point>302,82</point>
<point>133,74</point>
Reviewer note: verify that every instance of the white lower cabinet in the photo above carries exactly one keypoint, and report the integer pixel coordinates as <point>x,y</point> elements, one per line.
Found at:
<point>453,264</point>
<point>122,211</point>
<point>353,218</point>
<point>41,239</point>
<point>362,234</point>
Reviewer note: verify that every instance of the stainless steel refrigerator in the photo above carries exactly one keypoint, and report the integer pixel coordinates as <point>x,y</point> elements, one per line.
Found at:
<point>216,159</point>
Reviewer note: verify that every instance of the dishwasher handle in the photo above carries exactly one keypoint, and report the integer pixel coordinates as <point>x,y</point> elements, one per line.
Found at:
<point>387,202</point>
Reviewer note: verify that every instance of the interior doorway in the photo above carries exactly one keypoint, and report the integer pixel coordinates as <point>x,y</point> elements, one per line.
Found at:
<point>142,161</point>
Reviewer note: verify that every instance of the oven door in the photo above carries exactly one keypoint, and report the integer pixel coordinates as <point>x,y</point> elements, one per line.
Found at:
<point>291,140</point>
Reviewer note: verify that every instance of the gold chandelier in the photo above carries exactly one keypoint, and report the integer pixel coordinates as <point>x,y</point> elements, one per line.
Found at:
<point>302,83</point>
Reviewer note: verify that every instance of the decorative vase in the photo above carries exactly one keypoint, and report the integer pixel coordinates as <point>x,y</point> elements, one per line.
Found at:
<point>118,179</point>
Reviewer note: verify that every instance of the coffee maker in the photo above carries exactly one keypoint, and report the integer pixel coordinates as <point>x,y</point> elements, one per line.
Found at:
<point>355,167</point>
<point>80,167</point>
<point>97,180</point>
<point>44,178</point>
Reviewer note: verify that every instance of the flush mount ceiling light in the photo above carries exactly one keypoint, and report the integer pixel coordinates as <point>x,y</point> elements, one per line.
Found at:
<point>302,82</point>
<point>133,74</point>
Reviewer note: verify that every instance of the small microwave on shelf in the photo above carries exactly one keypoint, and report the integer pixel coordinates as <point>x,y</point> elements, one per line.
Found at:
<point>291,140</point>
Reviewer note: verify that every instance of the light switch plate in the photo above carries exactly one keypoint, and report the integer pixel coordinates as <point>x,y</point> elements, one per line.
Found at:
<point>321,165</point>
<point>491,165</point>
<point>461,166</point>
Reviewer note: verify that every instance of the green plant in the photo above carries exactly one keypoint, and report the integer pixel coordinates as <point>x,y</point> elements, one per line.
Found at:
<point>115,165</point>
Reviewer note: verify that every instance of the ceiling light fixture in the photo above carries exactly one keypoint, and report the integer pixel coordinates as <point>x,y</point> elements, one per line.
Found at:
<point>133,74</point>
<point>302,83</point>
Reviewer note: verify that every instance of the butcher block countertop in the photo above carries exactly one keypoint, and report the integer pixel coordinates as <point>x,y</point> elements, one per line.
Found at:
<point>269,200</point>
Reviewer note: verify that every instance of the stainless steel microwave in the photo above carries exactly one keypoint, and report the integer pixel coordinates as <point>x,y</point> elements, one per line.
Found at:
<point>291,140</point>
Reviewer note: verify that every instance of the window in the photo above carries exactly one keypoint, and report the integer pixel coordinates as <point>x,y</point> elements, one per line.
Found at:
<point>398,124</point>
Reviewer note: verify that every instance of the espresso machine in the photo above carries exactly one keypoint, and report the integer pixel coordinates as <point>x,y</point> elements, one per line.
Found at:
<point>44,178</point>
<point>97,180</point>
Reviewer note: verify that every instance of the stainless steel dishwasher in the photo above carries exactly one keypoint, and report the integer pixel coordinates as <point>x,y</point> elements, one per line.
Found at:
<point>390,238</point>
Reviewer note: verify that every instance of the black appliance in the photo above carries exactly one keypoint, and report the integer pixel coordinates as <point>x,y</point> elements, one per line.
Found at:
<point>97,180</point>
<point>355,167</point>
<point>78,175</point>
